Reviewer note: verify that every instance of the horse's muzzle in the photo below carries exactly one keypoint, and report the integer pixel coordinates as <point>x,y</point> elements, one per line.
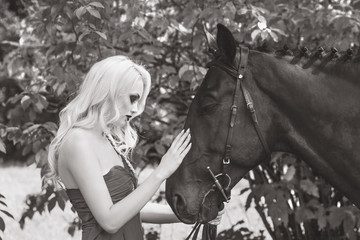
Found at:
<point>180,210</point>
<point>210,206</point>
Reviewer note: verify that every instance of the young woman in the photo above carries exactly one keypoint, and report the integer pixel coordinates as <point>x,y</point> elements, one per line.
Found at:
<point>91,154</point>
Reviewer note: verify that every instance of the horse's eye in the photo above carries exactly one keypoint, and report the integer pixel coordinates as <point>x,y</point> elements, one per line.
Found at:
<point>208,109</point>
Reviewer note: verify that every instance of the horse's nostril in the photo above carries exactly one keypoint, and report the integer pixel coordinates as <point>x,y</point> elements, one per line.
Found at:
<point>179,203</point>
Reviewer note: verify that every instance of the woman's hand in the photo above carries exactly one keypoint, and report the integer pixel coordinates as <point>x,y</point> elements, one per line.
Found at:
<point>175,154</point>
<point>217,220</point>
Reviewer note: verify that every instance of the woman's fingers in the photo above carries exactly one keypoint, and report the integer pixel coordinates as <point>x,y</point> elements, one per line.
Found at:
<point>177,138</point>
<point>180,139</point>
<point>185,143</point>
<point>186,150</point>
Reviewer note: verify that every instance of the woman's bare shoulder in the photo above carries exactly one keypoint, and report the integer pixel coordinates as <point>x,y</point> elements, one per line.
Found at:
<point>77,146</point>
<point>76,152</point>
<point>77,138</point>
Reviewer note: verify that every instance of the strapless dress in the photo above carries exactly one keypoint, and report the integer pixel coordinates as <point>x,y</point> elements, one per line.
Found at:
<point>120,183</point>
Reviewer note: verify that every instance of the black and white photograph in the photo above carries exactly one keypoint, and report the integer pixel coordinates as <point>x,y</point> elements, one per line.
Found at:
<point>179,120</point>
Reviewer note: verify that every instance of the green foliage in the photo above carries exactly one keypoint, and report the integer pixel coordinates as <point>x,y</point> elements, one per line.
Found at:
<point>47,46</point>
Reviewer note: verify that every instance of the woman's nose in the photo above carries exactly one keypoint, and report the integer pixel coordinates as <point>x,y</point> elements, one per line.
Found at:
<point>134,108</point>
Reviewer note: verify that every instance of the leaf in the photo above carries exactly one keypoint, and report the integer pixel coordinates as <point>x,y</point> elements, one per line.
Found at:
<point>254,34</point>
<point>101,34</point>
<point>160,148</point>
<point>25,101</point>
<point>3,203</point>
<point>96,4</point>
<point>51,127</point>
<point>50,28</point>
<point>249,200</point>
<point>71,230</point>
<point>61,88</point>
<point>279,31</point>
<point>80,12</point>
<point>242,11</point>
<point>2,148</point>
<point>349,224</point>
<point>273,35</point>
<point>244,190</point>
<point>183,69</point>
<point>2,224</point>
<point>61,202</point>
<point>261,19</point>
<point>7,213</point>
<point>143,33</point>
<point>51,204</point>
<point>336,217</point>
<point>278,215</point>
<point>321,221</point>
<point>174,80</point>
<point>178,26</point>
<point>39,106</point>
<point>55,10</point>
<point>290,173</point>
<point>82,35</point>
<point>26,150</point>
<point>94,13</point>
<point>309,187</point>
<point>43,101</point>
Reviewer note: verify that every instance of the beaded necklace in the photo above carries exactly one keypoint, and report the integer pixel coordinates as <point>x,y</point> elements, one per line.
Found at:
<point>113,144</point>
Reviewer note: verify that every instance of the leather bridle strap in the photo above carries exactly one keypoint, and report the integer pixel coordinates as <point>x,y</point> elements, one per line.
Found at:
<point>239,74</point>
<point>244,53</point>
<point>250,107</point>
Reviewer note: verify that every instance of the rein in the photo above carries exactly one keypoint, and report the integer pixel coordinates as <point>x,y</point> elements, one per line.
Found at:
<point>241,59</point>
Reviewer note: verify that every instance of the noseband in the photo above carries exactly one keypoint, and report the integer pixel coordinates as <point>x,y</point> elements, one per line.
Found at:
<point>241,59</point>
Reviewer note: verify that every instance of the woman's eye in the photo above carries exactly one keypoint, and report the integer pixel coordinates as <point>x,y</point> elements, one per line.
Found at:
<point>134,98</point>
<point>210,108</point>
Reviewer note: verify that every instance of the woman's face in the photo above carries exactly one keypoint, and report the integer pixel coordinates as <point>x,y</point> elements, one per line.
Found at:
<point>129,103</point>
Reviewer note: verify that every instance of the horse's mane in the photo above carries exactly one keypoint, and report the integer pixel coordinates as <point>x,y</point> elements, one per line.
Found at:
<point>330,61</point>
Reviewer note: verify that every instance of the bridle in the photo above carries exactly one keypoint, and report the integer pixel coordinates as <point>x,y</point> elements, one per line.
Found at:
<point>239,73</point>
<point>240,61</point>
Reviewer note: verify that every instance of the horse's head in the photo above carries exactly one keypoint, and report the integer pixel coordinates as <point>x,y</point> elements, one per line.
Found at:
<point>191,191</point>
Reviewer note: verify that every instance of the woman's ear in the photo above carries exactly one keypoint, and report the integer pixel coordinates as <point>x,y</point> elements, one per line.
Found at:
<point>226,42</point>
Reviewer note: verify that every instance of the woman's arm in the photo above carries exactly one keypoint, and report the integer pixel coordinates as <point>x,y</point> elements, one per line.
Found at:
<point>85,169</point>
<point>158,213</point>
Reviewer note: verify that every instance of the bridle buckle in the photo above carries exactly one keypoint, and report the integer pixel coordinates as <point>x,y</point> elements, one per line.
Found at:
<point>251,108</point>
<point>226,161</point>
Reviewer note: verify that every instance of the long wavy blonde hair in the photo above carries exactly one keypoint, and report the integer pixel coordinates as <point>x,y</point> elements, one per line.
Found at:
<point>104,83</point>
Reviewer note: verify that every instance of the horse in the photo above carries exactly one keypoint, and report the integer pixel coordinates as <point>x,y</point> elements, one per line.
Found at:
<point>251,104</point>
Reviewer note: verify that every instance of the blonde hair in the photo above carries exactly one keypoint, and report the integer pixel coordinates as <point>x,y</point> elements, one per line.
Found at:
<point>104,83</point>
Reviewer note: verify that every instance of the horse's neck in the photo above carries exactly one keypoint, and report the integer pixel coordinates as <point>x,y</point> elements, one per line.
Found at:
<point>319,114</point>
<point>319,102</point>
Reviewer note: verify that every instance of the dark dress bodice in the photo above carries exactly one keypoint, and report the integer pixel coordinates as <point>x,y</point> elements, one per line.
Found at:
<point>120,183</point>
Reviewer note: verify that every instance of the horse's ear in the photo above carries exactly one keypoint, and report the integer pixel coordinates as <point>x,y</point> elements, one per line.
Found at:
<point>211,42</point>
<point>226,42</point>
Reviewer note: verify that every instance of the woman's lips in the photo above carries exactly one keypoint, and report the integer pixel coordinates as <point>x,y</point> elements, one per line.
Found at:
<point>128,117</point>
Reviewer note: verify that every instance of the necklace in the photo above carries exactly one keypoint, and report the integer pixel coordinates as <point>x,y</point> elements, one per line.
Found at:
<point>113,144</point>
